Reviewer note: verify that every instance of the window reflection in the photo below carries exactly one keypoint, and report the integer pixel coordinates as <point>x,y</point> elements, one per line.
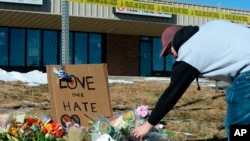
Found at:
<point>17,44</point>
<point>95,48</point>
<point>50,46</point>
<point>170,60</point>
<point>4,46</point>
<point>38,48</point>
<point>81,50</point>
<point>158,62</point>
<point>33,48</point>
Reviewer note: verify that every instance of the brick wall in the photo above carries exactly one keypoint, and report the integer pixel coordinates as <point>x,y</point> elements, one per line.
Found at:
<point>122,55</point>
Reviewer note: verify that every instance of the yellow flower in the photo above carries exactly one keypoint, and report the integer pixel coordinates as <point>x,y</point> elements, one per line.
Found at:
<point>48,127</point>
<point>38,120</point>
<point>13,131</point>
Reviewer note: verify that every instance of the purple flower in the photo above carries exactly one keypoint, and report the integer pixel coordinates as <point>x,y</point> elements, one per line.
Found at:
<point>142,111</point>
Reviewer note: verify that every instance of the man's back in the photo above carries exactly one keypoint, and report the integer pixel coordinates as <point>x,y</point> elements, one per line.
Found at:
<point>219,50</point>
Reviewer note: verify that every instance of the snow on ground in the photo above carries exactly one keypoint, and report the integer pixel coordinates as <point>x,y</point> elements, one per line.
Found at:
<point>35,77</point>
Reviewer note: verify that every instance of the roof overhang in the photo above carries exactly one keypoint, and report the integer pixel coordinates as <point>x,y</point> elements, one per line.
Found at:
<point>11,18</point>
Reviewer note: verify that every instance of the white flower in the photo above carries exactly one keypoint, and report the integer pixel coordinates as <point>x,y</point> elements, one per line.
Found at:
<point>105,137</point>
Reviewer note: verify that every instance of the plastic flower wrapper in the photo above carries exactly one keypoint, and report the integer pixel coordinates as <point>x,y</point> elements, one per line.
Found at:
<point>124,121</point>
<point>103,126</point>
<point>134,118</point>
<point>157,132</point>
<point>27,127</point>
<point>4,123</point>
<point>22,125</point>
<point>75,132</point>
<point>105,137</point>
<point>127,120</point>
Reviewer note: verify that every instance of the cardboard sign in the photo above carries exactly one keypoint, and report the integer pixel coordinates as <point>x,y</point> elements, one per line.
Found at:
<point>82,97</point>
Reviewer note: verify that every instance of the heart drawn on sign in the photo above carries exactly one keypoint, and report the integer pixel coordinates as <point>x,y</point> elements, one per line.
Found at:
<point>72,82</point>
<point>74,119</point>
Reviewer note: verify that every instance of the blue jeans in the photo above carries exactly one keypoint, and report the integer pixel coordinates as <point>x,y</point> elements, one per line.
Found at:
<point>238,102</point>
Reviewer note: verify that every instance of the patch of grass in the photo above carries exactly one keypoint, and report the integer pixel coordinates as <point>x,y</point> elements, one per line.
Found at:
<point>198,113</point>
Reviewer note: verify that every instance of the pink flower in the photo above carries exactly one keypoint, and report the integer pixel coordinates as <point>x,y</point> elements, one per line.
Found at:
<point>142,111</point>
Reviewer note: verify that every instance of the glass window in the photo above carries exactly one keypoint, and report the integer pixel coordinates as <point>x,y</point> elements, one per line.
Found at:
<point>170,60</point>
<point>17,47</point>
<point>81,52</point>
<point>33,47</point>
<point>145,58</point>
<point>4,46</point>
<point>158,62</point>
<point>50,44</point>
<point>95,48</point>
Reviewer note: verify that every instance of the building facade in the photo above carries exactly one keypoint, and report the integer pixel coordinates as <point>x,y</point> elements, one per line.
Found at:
<point>127,40</point>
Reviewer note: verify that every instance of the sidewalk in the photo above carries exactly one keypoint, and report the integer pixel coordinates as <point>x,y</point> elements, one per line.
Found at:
<point>202,81</point>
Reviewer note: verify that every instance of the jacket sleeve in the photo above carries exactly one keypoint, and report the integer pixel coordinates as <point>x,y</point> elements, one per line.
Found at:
<point>183,75</point>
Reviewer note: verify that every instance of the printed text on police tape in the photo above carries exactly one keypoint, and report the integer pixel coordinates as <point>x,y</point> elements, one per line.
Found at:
<point>170,9</point>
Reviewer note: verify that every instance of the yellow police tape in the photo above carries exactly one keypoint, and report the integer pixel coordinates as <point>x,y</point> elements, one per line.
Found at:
<point>164,8</point>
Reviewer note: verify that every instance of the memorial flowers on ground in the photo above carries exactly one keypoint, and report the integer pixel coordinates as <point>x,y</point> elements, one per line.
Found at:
<point>21,126</point>
<point>120,126</point>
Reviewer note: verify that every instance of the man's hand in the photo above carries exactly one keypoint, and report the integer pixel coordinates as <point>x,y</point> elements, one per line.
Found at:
<point>142,130</point>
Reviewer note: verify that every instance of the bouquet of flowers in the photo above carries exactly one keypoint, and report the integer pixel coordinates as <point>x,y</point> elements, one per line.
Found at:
<point>21,126</point>
<point>102,127</point>
<point>120,126</point>
<point>75,132</point>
